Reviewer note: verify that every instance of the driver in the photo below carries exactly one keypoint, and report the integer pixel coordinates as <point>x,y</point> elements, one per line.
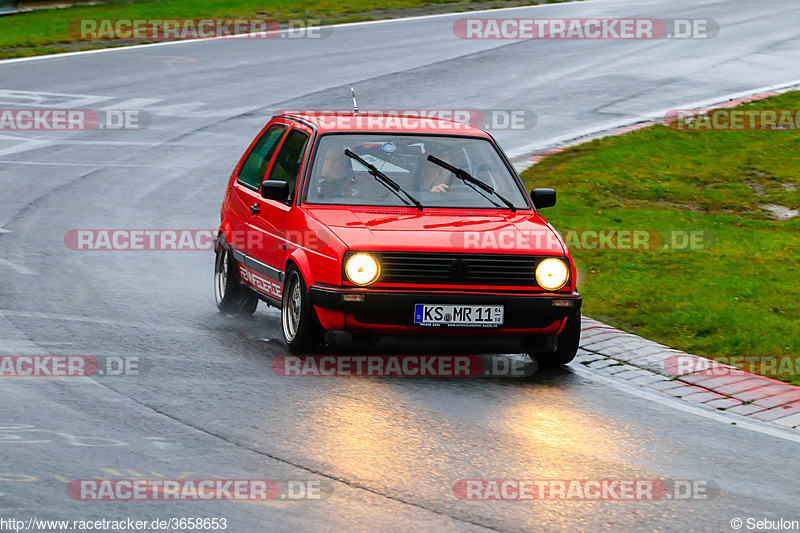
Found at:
<point>436,178</point>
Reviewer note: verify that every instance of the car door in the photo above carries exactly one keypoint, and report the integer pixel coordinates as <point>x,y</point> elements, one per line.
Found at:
<point>271,218</point>
<point>244,196</point>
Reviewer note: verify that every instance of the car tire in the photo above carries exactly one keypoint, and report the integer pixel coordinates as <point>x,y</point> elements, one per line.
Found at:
<point>230,294</point>
<point>567,347</point>
<point>299,322</point>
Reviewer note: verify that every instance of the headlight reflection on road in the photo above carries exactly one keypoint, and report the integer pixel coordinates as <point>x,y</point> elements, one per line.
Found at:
<point>553,431</point>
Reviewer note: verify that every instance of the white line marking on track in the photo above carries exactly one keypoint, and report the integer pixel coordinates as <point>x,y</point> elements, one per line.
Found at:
<point>22,269</point>
<point>655,115</point>
<point>741,421</point>
<point>343,25</point>
<point>96,320</point>
<point>98,165</point>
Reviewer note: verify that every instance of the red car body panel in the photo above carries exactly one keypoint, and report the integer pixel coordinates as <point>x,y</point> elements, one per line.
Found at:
<point>437,230</point>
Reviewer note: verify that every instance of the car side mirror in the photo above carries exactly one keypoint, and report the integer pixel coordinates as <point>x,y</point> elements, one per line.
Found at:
<point>275,190</point>
<point>543,198</point>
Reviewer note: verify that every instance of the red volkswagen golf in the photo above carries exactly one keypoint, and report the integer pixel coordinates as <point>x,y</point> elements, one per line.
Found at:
<point>366,229</point>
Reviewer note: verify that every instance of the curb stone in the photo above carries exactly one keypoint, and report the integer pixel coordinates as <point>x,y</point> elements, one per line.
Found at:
<point>643,363</point>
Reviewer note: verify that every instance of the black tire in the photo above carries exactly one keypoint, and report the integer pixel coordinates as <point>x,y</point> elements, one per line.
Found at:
<point>230,294</point>
<point>568,342</point>
<point>299,322</point>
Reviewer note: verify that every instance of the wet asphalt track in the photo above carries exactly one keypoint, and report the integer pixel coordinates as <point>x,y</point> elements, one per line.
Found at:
<point>209,404</point>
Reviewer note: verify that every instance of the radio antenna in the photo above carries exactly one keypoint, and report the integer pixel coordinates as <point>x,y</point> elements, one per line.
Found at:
<point>355,105</point>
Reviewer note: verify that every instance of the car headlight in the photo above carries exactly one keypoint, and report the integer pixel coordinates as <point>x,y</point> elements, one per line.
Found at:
<point>362,269</point>
<point>552,274</point>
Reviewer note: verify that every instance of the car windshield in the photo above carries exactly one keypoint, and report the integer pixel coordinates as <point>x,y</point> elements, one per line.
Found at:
<point>337,179</point>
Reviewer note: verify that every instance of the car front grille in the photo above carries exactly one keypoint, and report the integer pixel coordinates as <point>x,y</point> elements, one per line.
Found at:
<point>458,269</point>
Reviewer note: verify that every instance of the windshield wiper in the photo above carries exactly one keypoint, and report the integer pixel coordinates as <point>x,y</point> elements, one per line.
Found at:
<point>466,177</point>
<point>382,178</point>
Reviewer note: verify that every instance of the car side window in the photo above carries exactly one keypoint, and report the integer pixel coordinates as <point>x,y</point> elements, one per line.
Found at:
<point>290,159</point>
<point>255,166</point>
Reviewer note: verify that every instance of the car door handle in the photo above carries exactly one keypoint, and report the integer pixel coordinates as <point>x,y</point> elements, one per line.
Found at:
<point>254,209</point>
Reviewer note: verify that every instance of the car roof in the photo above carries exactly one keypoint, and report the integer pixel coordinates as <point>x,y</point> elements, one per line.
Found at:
<point>327,122</point>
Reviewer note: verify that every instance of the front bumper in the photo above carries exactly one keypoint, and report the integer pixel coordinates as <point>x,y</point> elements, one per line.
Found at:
<point>527,318</point>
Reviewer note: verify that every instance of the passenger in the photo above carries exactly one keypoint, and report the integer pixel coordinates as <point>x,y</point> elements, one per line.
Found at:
<point>336,176</point>
<point>339,180</point>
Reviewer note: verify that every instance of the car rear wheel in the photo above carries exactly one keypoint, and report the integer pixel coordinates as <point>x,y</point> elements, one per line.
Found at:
<point>301,327</point>
<point>230,294</point>
<point>568,341</point>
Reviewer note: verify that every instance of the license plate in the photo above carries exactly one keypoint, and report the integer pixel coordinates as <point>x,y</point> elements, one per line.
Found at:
<point>458,315</point>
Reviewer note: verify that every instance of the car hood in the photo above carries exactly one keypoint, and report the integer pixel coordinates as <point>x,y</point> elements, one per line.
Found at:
<point>440,230</point>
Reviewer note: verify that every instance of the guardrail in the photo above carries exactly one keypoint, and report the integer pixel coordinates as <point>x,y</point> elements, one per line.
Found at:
<point>8,7</point>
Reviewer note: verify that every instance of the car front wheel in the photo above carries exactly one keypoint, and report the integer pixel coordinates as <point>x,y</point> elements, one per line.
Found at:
<point>568,341</point>
<point>301,328</point>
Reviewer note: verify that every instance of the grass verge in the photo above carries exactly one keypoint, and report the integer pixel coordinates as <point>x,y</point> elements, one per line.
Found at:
<point>44,31</point>
<point>739,297</point>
